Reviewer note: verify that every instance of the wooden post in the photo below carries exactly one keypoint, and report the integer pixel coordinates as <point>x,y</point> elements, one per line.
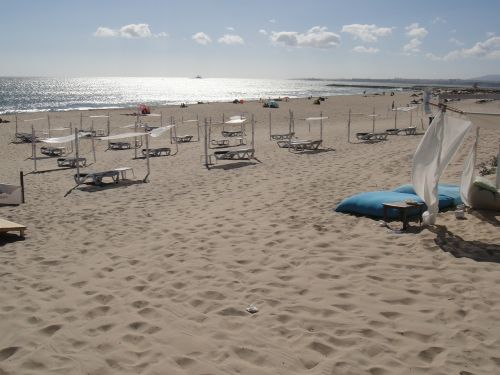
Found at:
<point>253,132</point>
<point>77,155</point>
<point>92,139</point>
<point>198,127</point>
<point>33,145</point>
<point>206,143</point>
<point>146,179</point>
<point>135,139</point>
<point>81,120</point>
<point>395,117</point>
<point>71,132</point>
<point>373,120</point>
<point>321,125</point>
<point>16,124</point>
<point>48,122</point>
<point>270,126</point>
<point>349,127</point>
<point>21,177</point>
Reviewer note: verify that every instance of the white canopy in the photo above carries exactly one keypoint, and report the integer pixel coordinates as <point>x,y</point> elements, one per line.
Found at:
<point>404,109</point>
<point>315,118</point>
<point>159,131</point>
<point>98,116</point>
<point>122,136</point>
<point>35,119</point>
<point>65,139</point>
<point>236,120</point>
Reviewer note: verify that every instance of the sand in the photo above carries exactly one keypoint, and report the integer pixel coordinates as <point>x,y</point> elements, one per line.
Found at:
<point>155,278</point>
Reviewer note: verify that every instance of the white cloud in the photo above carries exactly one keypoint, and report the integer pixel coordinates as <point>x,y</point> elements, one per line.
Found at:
<point>363,49</point>
<point>105,32</point>
<point>439,20</point>
<point>415,31</point>
<point>201,38</point>
<point>489,34</point>
<point>132,31</point>
<point>456,41</point>
<point>413,45</point>
<point>230,28</point>
<point>231,39</point>
<point>272,21</point>
<point>263,32</point>
<point>366,33</point>
<point>489,49</point>
<point>316,37</point>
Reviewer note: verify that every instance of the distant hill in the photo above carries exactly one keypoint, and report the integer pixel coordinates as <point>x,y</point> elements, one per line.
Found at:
<point>489,77</point>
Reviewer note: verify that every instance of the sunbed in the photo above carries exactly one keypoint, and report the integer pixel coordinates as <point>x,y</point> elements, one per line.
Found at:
<point>119,145</point>
<point>71,162</point>
<point>219,142</point>
<point>235,133</point>
<point>156,151</point>
<point>240,154</point>
<point>371,137</point>
<point>52,151</point>
<point>279,137</point>
<point>183,138</point>
<point>97,177</point>
<point>25,138</point>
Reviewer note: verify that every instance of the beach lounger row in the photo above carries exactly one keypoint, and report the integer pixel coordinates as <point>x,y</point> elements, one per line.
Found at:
<point>371,137</point>
<point>153,152</point>
<point>300,144</point>
<point>241,154</point>
<point>411,130</point>
<point>219,142</point>
<point>52,151</point>
<point>71,162</point>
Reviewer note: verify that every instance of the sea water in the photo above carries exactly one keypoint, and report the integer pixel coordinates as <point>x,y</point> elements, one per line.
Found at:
<point>33,94</point>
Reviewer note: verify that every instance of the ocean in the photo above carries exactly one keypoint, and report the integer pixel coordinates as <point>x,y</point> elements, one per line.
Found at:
<point>39,94</point>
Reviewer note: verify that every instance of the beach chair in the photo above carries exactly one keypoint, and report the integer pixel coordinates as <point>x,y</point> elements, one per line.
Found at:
<point>279,137</point>
<point>371,137</point>
<point>411,130</point>
<point>219,142</point>
<point>119,145</point>
<point>52,151</point>
<point>304,145</point>
<point>232,133</point>
<point>183,138</point>
<point>153,152</point>
<point>240,154</point>
<point>9,226</point>
<point>96,178</point>
<point>393,131</point>
<point>25,138</point>
<point>71,162</point>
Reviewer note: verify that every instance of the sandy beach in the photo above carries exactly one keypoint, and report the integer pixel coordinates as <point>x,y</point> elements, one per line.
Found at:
<point>155,278</point>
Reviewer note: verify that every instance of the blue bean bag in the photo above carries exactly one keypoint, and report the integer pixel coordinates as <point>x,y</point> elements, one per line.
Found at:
<point>371,203</point>
<point>449,190</point>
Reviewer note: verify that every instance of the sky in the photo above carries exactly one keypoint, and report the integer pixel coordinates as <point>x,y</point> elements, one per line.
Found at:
<point>251,39</point>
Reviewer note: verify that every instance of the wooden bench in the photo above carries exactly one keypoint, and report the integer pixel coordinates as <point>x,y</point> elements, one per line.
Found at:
<point>153,152</point>
<point>9,226</point>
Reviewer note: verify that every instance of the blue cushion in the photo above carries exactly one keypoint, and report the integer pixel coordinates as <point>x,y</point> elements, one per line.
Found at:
<point>448,190</point>
<point>371,203</point>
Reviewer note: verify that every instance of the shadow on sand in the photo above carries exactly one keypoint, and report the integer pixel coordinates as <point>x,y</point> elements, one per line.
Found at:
<point>460,248</point>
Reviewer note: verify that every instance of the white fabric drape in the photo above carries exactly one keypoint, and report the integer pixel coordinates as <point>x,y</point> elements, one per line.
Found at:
<point>435,151</point>
<point>159,131</point>
<point>122,136</point>
<point>65,139</point>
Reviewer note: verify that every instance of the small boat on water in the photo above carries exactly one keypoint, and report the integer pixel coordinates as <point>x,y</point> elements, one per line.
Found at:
<point>198,77</point>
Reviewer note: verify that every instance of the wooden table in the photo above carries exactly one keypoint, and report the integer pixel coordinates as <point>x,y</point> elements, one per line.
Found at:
<point>404,209</point>
<point>9,226</point>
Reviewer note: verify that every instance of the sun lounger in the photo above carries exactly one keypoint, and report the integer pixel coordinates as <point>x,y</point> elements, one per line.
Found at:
<point>91,132</point>
<point>9,226</point>
<point>71,162</point>
<point>236,133</point>
<point>96,178</point>
<point>157,151</point>
<point>183,138</point>
<point>392,131</point>
<point>371,137</point>
<point>279,137</point>
<point>119,145</point>
<point>411,130</point>
<point>25,138</point>
<point>305,145</point>
<point>52,151</point>
<point>219,142</point>
<point>241,154</point>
